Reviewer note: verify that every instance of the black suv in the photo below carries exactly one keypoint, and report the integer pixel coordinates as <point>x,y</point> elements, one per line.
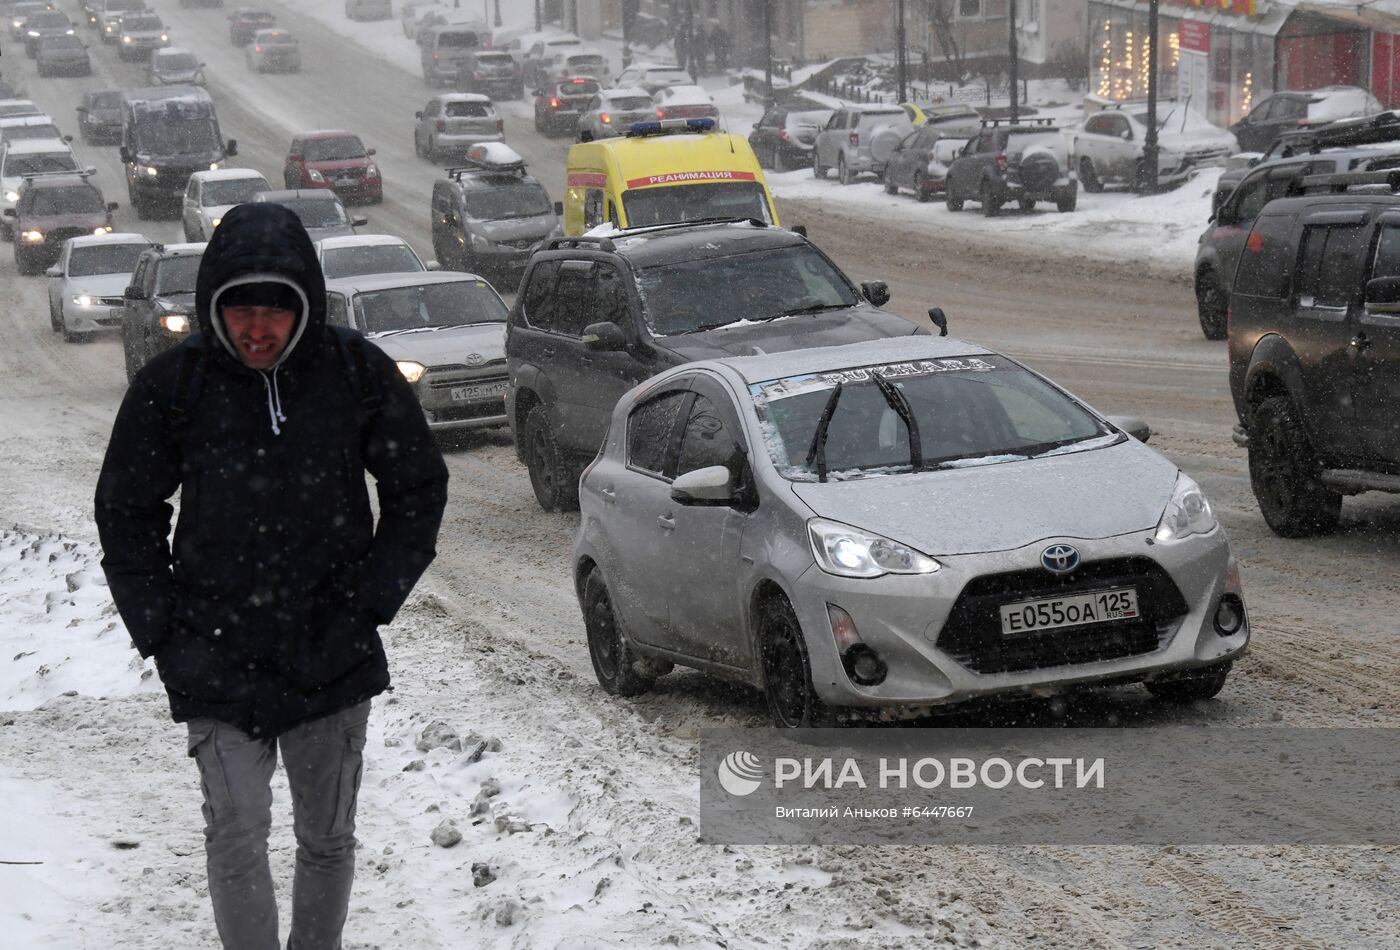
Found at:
<point>51,208</point>
<point>1219,247</point>
<point>597,315</point>
<point>1315,350</point>
<point>488,216</point>
<point>1025,163</point>
<point>159,310</point>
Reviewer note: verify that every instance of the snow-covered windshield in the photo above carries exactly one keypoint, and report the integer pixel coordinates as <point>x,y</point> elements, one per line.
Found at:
<point>508,198</point>
<point>82,199</point>
<point>333,150</point>
<point>104,259</point>
<point>667,204</point>
<point>232,191</point>
<point>163,134</point>
<point>970,410</point>
<point>142,23</point>
<point>176,62</point>
<point>686,296</point>
<point>371,259</point>
<point>176,275</point>
<point>459,303</point>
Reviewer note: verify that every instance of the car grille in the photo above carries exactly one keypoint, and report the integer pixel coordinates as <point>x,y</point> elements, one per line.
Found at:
<point>59,235</point>
<point>455,374</point>
<point>110,320</point>
<point>111,301</point>
<point>523,244</point>
<point>973,636</point>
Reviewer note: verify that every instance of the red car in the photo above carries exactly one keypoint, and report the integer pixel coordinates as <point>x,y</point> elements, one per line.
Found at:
<point>336,160</point>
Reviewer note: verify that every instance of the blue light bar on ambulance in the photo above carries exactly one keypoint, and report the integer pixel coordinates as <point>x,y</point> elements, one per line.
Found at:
<point>662,126</point>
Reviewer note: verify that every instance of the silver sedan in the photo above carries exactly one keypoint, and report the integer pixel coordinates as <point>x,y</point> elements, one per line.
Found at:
<point>893,526</point>
<point>87,284</point>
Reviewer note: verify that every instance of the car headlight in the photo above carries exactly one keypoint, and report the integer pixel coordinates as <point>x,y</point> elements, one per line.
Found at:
<point>104,229</point>
<point>164,38</point>
<point>411,371</point>
<point>372,171</point>
<point>11,196</point>
<point>126,39</point>
<point>481,242</point>
<point>149,170</point>
<point>34,33</point>
<point>849,552</point>
<point>1188,512</point>
<point>84,300</point>
<point>314,175</point>
<point>214,222</point>
<point>213,166</point>
<point>67,32</point>
<point>33,236</point>
<point>175,322</point>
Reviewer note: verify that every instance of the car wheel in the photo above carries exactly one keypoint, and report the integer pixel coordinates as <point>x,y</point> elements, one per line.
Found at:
<point>843,171</point>
<point>1189,686</point>
<point>954,204</point>
<point>1067,201</point>
<point>55,318</point>
<point>818,169</point>
<point>133,366</point>
<point>991,207</point>
<point>1027,204</point>
<point>924,194</point>
<point>1088,177</point>
<point>787,676</point>
<point>1284,474</point>
<point>614,663</point>
<point>1212,306</point>
<point>550,473</point>
<point>779,162</point>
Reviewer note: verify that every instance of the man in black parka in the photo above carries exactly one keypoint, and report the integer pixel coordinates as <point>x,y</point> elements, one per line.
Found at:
<point>262,618</point>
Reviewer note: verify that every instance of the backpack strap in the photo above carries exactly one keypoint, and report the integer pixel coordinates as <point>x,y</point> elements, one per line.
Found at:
<point>362,381</point>
<point>189,377</point>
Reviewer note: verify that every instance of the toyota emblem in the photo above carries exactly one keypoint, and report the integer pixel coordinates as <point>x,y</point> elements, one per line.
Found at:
<point>1060,558</point>
<point>474,359</point>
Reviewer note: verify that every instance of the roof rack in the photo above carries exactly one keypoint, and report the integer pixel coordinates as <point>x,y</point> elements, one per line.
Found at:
<point>1367,130</point>
<point>83,173</point>
<point>601,243</point>
<point>1339,183</point>
<point>994,123</point>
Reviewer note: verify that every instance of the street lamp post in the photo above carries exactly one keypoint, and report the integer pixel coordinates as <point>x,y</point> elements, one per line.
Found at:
<point>901,61</point>
<point>539,17</point>
<point>1015,52</point>
<point>1149,144</point>
<point>497,20</point>
<point>768,51</point>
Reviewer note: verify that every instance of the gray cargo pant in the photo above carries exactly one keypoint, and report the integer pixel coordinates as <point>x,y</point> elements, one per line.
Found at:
<point>324,761</point>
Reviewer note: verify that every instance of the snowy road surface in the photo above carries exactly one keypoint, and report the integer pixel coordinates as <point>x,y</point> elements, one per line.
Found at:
<point>587,811</point>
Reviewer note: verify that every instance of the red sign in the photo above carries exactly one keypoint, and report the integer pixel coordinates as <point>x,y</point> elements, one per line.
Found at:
<point>680,178</point>
<point>1237,7</point>
<point>1194,36</point>
<point>587,180</point>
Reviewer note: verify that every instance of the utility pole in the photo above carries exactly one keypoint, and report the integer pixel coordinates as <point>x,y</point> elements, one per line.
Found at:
<point>901,61</point>
<point>497,20</point>
<point>539,16</point>
<point>1149,145</point>
<point>768,50</point>
<point>1015,51</point>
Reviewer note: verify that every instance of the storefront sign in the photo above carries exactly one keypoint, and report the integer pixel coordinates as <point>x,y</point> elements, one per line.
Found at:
<point>1237,7</point>
<point>1194,36</point>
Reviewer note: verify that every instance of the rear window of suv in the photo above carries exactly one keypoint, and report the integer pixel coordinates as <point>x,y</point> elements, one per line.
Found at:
<point>80,199</point>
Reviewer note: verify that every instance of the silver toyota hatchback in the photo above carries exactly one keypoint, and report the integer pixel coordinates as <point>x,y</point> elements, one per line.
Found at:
<point>892,526</point>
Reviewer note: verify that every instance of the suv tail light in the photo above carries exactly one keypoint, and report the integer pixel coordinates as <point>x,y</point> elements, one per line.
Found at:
<point>441,125</point>
<point>1001,161</point>
<point>604,118</point>
<point>661,113</point>
<point>855,138</point>
<point>554,103</point>
<point>257,49</point>
<point>783,136</point>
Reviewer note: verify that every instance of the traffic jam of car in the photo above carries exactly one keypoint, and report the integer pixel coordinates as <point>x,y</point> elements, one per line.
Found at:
<point>777,481</point>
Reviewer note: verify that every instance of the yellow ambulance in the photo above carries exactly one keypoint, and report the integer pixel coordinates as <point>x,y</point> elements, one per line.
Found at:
<point>662,172</point>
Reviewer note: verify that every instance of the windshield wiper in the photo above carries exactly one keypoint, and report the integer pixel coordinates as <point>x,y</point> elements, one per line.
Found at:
<point>404,330</point>
<point>1045,448</point>
<point>709,326</point>
<point>815,308</point>
<point>817,453</point>
<point>901,407</point>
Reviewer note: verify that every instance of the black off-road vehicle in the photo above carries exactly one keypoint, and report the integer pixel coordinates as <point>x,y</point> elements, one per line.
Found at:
<point>1022,163</point>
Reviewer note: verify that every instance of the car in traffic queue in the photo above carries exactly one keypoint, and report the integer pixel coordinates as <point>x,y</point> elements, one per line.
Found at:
<point>158,311</point>
<point>446,332</point>
<point>653,77</point>
<point>491,73</point>
<point>174,66</point>
<point>319,211</point>
<point>447,43</point>
<point>109,14</point>
<point>87,285</point>
<point>362,10</point>
<point>139,34</point>
<point>559,104</point>
<point>489,215</point>
<point>62,56</point>
<point>100,116</point>
<point>50,209</point>
<point>454,122</point>
<point>1110,146</point>
<point>273,50</point>
<point>575,62</point>
<point>661,172</point>
<point>784,138</point>
<point>16,128</point>
<point>10,108</point>
<point>613,111</point>
<point>23,158</point>
<point>21,12</point>
<point>595,315</point>
<point>211,194</point>
<point>245,22</point>
<point>920,162</point>
<point>533,60</point>
<point>45,23</point>
<point>894,526</point>
<point>168,134</point>
<point>684,102</point>
<point>857,140</point>
<point>366,254</point>
<point>1021,163</point>
<point>335,160</point>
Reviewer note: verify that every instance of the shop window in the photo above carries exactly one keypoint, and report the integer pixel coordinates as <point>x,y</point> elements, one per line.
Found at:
<point>969,9</point>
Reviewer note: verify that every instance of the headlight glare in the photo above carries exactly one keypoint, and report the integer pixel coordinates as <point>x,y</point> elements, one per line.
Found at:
<point>411,371</point>
<point>213,166</point>
<point>314,175</point>
<point>11,196</point>
<point>175,322</point>
<point>150,170</point>
<point>372,171</point>
<point>849,552</point>
<point>83,300</point>
<point>104,229</point>
<point>33,236</point>
<point>1187,513</point>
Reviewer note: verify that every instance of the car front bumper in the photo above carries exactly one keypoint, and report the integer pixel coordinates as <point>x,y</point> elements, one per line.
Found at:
<point>461,398</point>
<point>93,318</point>
<point>940,638</point>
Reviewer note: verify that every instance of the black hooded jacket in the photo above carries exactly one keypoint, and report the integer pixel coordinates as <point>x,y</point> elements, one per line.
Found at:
<point>264,613</point>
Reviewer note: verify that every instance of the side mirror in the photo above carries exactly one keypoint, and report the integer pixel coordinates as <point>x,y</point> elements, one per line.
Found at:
<point>112,206</point>
<point>133,293</point>
<point>1255,160</point>
<point>433,265</point>
<point>559,209</point>
<point>68,138</point>
<point>369,151</point>
<point>799,229</point>
<point>604,338</point>
<point>1132,425</point>
<point>231,149</point>
<point>876,291</point>
<point>703,486</point>
<point>54,271</point>
<point>585,135</point>
<point>359,222</point>
<point>125,154</point>
<point>1383,295</point>
<point>937,318</point>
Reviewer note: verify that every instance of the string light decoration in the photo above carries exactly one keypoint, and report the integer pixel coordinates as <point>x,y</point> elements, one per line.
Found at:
<point>1146,60</point>
<point>1247,93</point>
<point>1124,79</point>
<point>1106,62</point>
<point>1174,41</point>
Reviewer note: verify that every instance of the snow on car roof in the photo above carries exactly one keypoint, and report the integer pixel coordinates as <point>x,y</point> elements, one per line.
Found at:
<point>364,282</point>
<point>685,95</point>
<point>359,240</point>
<point>318,134</point>
<point>825,359</point>
<point>182,249</point>
<point>120,237</point>
<point>228,174</point>
<point>173,51</point>
<point>12,121</point>
<point>32,146</point>
<point>624,92</point>
<point>463,97</point>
